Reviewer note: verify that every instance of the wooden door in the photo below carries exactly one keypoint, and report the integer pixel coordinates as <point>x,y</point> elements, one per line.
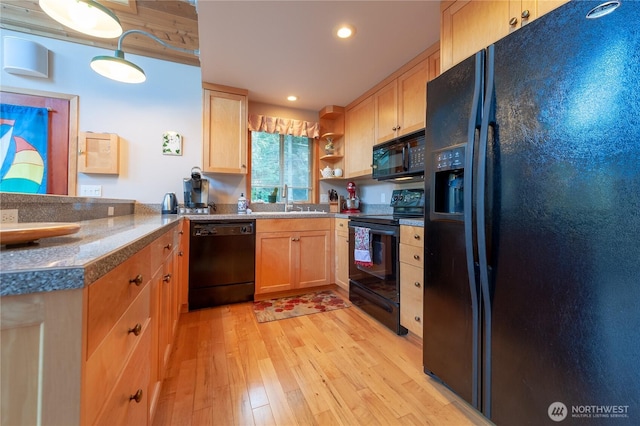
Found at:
<point>386,112</point>
<point>225,132</point>
<point>313,267</point>
<point>274,262</point>
<point>342,258</point>
<point>412,98</point>
<point>360,137</point>
<point>61,175</point>
<point>468,26</point>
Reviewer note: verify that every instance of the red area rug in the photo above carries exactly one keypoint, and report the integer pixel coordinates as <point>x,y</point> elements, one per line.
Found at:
<point>295,306</point>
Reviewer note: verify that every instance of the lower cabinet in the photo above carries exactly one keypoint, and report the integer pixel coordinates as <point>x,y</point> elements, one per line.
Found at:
<point>292,253</point>
<point>95,355</point>
<point>341,252</point>
<point>411,277</point>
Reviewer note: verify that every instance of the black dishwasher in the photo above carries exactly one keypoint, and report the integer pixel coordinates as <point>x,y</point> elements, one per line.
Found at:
<point>221,263</point>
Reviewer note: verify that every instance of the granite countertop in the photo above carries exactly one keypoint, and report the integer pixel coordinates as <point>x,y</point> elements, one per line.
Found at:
<point>77,260</point>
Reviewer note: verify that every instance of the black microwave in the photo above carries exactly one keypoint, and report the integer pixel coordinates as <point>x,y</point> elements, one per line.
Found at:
<point>401,158</point>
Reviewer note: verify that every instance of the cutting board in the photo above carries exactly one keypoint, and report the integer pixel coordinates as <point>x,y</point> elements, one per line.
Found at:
<point>18,233</point>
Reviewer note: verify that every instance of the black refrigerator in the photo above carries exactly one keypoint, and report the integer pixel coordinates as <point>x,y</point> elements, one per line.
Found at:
<point>532,221</point>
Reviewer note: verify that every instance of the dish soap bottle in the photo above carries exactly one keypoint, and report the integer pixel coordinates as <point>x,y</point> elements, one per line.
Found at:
<point>242,204</point>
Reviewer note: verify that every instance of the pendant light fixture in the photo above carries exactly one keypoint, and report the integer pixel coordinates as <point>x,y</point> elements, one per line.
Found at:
<point>86,16</point>
<point>117,68</point>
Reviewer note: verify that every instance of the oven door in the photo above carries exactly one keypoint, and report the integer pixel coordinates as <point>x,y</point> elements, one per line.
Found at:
<point>381,278</point>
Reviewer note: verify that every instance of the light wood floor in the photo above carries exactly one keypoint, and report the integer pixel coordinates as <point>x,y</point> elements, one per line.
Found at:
<point>334,368</point>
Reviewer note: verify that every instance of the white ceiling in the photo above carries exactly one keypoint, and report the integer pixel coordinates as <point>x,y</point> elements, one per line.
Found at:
<point>278,48</point>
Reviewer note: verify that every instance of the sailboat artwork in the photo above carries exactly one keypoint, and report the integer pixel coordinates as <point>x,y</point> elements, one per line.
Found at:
<point>23,149</point>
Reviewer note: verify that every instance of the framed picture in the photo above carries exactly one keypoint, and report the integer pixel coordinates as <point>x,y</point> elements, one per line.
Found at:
<point>171,143</point>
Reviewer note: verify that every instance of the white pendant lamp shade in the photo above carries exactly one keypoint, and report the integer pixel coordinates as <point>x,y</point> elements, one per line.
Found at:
<point>85,16</point>
<point>117,68</point>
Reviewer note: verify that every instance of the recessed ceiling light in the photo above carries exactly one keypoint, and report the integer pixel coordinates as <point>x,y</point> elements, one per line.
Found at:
<point>292,98</point>
<point>345,31</point>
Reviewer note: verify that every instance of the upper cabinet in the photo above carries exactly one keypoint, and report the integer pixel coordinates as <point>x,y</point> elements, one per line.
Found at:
<point>468,26</point>
<point>98,153</point>
<point>360,135</point>
<point>400,105</point>
<point>224,129</point>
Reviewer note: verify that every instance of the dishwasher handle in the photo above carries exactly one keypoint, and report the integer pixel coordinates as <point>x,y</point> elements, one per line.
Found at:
<point>219,229</point>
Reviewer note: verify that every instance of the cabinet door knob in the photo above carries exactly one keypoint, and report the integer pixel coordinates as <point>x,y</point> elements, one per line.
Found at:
<point>166,278</point>
<point>417,284</point>
<point>416,257</point>
<point>135,330</point>
<point>513,21</point>
<point>394,128</point>
<point>416,236</point>
<point>168,246</point>
<point>416,318</point>
<point>341,225</point>
<point>525,14</point>
<point>180,253</point>
<point>137,280</point>
<point>137,397</point>
<point>181,232</point>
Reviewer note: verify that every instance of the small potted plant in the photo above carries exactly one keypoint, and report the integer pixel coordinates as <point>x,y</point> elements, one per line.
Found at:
<point>273,196</point>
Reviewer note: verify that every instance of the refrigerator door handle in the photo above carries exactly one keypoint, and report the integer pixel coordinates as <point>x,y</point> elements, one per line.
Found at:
<point>472,131</point>
<point>488,119</point>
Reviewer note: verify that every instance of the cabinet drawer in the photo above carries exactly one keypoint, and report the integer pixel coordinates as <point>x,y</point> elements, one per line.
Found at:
<point>411,291</point>
<point>120,408</point>
<point>104,366</point>
<point>412,235</point>
<point>112,294</point>
<point>161,248</point>
<point>342,225</point>
<point>411,255</point>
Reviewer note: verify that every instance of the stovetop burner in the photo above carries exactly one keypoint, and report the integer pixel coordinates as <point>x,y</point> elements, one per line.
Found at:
<point>406,203</point>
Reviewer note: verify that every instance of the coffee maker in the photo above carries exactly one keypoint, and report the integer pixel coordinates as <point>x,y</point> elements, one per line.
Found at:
<point>196,191</point>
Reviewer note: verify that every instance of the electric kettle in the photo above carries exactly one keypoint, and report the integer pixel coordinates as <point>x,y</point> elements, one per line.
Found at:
<point>170,203</point>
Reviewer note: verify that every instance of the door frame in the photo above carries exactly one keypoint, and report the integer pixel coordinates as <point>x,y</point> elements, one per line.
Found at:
<point>72,169</point>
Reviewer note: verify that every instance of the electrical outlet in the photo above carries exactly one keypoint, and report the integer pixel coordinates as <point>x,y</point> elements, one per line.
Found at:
<point>9,216</point>
<point>110,211</point>
<point>324,198</point>
<point>90,190</point>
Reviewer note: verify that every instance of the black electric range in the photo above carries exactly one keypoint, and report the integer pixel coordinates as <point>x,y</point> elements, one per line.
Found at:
<point>374,284</point>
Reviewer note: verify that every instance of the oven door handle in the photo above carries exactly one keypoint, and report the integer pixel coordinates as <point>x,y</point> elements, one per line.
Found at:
<point>375,231</point>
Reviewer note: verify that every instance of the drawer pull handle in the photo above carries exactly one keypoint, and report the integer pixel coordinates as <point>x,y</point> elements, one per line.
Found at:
<point>180,253</point>
<point>137,397</point>
<point>341,225</point>
<point>513,21</point>
<point>137,280</point>
<point>416,318</point>
<point>417,284</point>
<point>168,246</point>
<point>416,236</point>
<point>181,232</point>
<point>166,278</point>
<point>136,330</point>
<point>416,257</point>
<point>525,14</point>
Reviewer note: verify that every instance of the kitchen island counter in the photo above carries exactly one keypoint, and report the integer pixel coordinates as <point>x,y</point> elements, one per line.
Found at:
<point>77,260</point>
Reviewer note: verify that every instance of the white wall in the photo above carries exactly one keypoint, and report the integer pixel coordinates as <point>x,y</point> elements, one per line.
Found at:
<point>170,99</point>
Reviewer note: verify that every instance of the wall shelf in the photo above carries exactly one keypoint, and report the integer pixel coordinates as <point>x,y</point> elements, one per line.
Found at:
<point>332,158</point>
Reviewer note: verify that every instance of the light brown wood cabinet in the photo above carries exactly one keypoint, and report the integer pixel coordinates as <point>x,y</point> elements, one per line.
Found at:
<point>468,26</point>
<point>292,254</point>
<point>165,308</point>
<point>400,106</point>
<point>225,118</point>
<point>360,135</point>
<point>341,252</point>
<point>411,277</point>
<point>98,153</point>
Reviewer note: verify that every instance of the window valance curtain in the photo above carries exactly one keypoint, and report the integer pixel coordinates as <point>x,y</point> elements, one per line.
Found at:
<point>285,126</point>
